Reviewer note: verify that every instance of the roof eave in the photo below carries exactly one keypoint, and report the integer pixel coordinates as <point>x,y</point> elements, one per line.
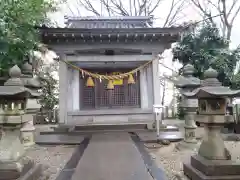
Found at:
<point>112,30</point>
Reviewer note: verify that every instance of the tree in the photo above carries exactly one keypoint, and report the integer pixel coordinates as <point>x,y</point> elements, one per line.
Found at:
<point>133,8</point>
<point>50,89</point>
<point>206,47</point>
<point>228,11</point>
<point>18,35</point>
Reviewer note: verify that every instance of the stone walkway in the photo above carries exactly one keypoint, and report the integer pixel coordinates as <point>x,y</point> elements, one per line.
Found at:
<point>111,156</point>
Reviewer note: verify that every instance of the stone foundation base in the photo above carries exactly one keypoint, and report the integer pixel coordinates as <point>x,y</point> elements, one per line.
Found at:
<point>150,126</point>
<point>200,168</point>
<point>23,169</point>
<point>184,145</point>
<point>165,128</point>
<point>27,138</point>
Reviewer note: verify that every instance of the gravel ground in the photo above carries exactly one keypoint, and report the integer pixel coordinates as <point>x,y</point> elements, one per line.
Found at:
<point>54,156</point>
<point>168,158</point>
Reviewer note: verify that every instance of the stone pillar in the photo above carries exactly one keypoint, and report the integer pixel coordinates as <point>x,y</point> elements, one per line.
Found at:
<point>144,89</point>
<point>190,141</point>
<point>156,90</point>
<point>190,127</point>
<point>28,129</point>
<point>75,90</point>
<point>212,146</point>
<point>63,86</point>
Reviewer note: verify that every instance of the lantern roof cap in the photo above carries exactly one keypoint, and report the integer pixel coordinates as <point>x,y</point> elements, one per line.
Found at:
<point>14,86</point>
<point>212,88</point>
<point>188,69</point>
<point>210,73</point>
<point>15,74</point>
<point>34,82</point>
<point>27,68</point>
<point>184,82</point>
<point>187,79</point>
<point>15,71</point>
<point>17,91</point>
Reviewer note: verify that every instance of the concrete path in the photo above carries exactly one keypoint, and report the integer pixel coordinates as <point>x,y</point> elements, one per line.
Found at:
<point>111,156</point>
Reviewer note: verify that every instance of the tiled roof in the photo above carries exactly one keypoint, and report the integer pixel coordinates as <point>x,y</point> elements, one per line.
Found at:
<point>109,22</point>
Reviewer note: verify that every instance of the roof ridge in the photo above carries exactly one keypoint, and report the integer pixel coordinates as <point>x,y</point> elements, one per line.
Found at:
<point>107,17</point>
<point>108,22</point>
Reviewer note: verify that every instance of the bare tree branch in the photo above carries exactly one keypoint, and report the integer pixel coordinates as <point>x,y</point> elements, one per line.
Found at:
<point>173,14</point>
<point>155,7</point>
<point>78,9</point>
<point>235,15</point>
<point>88,6</point>
<point>106,4</point>
<point>70,9</point>
<point>221,6</point>
<point>231,8</point>
<point>204,11</point>
<point>130,7</point>
<point>133,8</point>
<point>170,12</point>
<point>119,6</point>
<point>174,17</point>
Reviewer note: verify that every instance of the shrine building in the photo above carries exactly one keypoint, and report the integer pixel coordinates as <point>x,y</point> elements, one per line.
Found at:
<point>109,68</point>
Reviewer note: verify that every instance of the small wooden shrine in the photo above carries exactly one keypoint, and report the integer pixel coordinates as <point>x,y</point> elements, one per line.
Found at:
<point>109,71</point>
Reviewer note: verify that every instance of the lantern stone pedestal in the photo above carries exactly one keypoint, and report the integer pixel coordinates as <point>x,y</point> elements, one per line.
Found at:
<point>13,163</point>
<point>190,141</point>
<point>213,161</point>
<point>28,131</point>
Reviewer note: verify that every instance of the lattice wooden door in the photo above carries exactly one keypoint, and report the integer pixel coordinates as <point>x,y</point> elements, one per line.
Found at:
<point>98,97</point>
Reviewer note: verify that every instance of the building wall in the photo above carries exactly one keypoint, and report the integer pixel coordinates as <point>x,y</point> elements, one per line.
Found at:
<point>77,115</point>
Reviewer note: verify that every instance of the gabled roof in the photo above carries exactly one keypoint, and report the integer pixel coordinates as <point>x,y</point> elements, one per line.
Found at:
<point>109,22</point>
<point>17,90</point>
<point>110,29</point>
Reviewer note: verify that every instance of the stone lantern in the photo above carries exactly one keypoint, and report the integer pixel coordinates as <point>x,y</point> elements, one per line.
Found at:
<point>32,106</point>
<point>213,160</point>
<point>188,83</point>
<point>13,163</point>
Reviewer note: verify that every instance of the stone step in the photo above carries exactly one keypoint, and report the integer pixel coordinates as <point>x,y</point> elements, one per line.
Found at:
<point>167,128</point>
<point>151,137</point>
<point>110,127</point>
<point>87,132</point>
<point>58,139</point>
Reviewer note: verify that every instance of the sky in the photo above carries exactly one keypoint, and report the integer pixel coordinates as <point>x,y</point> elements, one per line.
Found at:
<point>190,13</point>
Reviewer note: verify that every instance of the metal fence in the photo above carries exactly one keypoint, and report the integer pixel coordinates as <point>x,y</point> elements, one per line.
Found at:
<point>46,117</point>
<point>169,113</point>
